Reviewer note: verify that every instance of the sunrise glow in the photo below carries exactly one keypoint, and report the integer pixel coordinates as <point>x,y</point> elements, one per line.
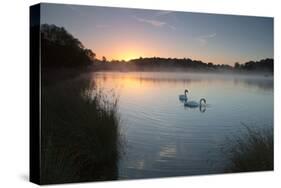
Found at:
<point>124,34</point>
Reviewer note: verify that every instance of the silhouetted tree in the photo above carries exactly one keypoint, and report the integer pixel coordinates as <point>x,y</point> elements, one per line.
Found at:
<point>236,65</point>
<point>60,49</point>
<point>210,64</point>
<point>90,54</point>
<point>103,58</point>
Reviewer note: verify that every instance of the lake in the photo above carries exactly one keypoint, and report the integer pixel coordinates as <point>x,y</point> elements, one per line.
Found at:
<point>163,138</point>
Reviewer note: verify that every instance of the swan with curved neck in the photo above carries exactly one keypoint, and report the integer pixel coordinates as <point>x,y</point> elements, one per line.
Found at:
<point>184,97</point>
<point>202,100</point>
<point>194,104</point>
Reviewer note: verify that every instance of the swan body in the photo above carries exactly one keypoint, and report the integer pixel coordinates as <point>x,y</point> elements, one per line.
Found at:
<point>194,104</point>
<point>183,97</point>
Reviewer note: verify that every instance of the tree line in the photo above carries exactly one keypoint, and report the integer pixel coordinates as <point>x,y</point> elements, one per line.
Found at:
<point>60,49</point>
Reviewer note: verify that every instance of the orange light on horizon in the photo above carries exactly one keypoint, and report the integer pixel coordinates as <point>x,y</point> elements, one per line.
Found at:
<point>127,50</point>
<point>128,55</point>
<point>134,49</point>
<point>121,57</point>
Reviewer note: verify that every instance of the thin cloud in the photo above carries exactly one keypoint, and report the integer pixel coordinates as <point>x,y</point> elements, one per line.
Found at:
<point>209,36</point>
<point>155,23</point>
<point>172,27</point>
<point>203,40</point>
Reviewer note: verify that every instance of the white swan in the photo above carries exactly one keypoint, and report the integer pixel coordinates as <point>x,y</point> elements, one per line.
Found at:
<point>194,104</point>
<point>183,97</point>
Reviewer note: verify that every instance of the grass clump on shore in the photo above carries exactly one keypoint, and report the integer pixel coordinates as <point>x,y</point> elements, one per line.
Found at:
<point>80,134</point>
<point>252,151</point>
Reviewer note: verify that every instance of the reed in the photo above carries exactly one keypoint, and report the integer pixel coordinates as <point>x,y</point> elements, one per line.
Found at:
<point>251,151</point>
<point>80,134</point>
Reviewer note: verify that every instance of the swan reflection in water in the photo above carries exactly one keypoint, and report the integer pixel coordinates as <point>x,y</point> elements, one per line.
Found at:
<point>193,104</point>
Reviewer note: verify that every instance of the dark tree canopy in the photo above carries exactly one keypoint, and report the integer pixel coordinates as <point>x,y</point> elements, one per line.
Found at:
<point>60,49</point>
<point>236,65</point>
<point>104,59</point>
<point>262,65</point>
<point>184,64</point>
<point>181,64</point>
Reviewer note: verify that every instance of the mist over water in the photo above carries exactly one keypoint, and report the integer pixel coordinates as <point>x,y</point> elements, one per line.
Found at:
<point>164,138</point>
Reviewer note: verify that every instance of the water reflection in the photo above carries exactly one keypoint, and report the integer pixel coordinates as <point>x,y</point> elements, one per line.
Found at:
<point>202,108</point>
<point>165,138</point>
<point>168,151</point>
<point>260,82</point>
<point>263,83</point>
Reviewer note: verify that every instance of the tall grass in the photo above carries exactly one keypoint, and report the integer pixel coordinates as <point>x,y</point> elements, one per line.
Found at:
<point>80,134</point>
<point>251,151</point>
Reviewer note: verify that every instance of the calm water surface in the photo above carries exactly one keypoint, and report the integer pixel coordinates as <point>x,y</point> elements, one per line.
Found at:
<point>164,138</point>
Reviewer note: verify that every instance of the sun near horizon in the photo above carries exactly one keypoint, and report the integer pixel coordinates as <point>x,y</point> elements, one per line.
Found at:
<point>124,34</point>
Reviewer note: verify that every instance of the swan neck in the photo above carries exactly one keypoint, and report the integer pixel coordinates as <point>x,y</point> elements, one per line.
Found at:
<point>202,100</point>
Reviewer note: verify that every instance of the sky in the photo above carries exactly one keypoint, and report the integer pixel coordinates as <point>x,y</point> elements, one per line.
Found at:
<point>124,34</point>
